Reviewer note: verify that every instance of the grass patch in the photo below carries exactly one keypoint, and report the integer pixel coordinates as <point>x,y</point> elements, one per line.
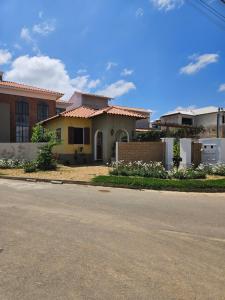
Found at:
<point>185,185</point>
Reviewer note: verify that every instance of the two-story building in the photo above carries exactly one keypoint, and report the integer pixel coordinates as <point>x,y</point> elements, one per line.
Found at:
<point>21,107</point>
<point>211,118</point>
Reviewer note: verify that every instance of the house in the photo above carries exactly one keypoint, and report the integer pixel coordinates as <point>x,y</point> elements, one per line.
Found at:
<point>87,99</point>
<point>21,107</point>
<point>89,129</point>
<point>211,118</point>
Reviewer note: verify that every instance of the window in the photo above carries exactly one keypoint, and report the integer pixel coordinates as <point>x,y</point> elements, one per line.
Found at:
<point>79,136</point>
<point>223,119</point>
<point>22,122</point>
<point>186,121</point>
<point>42,111</point>
<point>58,134</point>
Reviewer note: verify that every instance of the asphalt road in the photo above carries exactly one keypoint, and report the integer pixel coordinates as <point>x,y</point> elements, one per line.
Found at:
<point>79,242</point>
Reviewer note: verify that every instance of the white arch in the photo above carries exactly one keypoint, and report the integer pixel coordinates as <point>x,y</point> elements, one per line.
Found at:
<point>125,131</point>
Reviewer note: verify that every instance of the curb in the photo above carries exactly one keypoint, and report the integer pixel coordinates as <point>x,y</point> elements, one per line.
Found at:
<point>89,183</point>
<point>53,181</point>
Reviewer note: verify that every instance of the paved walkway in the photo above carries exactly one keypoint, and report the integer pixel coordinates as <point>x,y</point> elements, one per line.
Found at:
<point>75,242</point>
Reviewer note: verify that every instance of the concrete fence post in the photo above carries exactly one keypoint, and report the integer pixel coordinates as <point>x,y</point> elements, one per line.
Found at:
<point>169,142</point>
<point>117,152</point>
<point>185,152</point>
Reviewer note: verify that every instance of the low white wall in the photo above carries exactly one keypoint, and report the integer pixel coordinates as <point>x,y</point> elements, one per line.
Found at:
<point>26,151</point>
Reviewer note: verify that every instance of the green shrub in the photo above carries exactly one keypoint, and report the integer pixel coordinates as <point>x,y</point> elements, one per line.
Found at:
<point>30,167</point>
<point>45,159</point>
<point>42,135</point>
<point>11,164</point>
<point>139,168</point>
<point>187,173</point>
<point>218,169</point>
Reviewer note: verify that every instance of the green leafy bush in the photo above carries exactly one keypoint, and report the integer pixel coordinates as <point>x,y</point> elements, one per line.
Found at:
<point>42,135</point>
<point>213,169</point>
<point>155,170</point>
<point>30,167</point>
<point>45,159</point>
<point>187,173</point>
<point>139,168</point>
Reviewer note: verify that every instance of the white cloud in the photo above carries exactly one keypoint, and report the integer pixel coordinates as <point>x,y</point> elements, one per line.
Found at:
<point>167,5</point>
<point>222,87</point>
<point>199,62</point>
<point>44,28</point>
<point>110,65</point>
<point>186,109</point>
<point>127,72</point>
<point>40,14</point>
<point>81,71</point>
<point>93,83</point>
<point>5,56</point>
<point>139,12</point>
<point>50,73</point>
<point>26,35</point>
<point>117,89</point>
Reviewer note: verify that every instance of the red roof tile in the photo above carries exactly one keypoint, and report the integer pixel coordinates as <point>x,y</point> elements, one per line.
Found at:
<point>87,112</point>
<point>79,112</point>
<point>113,110</point>
<point>25,87</point>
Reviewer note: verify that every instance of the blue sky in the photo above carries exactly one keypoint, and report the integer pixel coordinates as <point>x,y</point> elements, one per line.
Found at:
<point>155,54</point>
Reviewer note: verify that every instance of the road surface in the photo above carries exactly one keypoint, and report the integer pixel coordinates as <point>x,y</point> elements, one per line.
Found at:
<point>80,242</point>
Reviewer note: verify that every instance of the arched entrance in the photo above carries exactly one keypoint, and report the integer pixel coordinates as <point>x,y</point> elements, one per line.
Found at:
<point>122,135</point>
<point>98,145</point>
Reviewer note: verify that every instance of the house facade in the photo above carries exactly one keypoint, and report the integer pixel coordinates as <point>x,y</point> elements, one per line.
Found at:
<point>211,118</point>
<point>90,128</point>
<point>91,100</point>
<point>21,107</point>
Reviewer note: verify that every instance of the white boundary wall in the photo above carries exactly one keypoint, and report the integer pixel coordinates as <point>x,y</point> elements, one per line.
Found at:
<point>21,151</point>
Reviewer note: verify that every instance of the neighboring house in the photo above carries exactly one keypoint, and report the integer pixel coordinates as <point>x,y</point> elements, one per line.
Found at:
<point>211,118</point>
<point>21,107</point>
<point>90,128</point>
<point>99,102</point>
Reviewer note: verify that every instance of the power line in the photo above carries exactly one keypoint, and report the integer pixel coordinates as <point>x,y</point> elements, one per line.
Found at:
<point>212,10</point>
<point>218,20</point>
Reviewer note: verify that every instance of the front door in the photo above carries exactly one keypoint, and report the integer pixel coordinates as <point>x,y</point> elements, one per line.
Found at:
<point>99,146</point>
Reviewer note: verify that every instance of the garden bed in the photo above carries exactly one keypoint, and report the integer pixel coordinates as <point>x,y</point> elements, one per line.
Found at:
<point>185,185</point>
<point>76,173</point>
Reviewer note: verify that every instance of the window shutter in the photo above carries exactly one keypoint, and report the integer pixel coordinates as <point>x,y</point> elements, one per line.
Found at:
<point>87,136</point>
<point>70,135</point>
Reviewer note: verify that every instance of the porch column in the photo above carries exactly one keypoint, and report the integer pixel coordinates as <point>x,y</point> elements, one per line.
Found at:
<point>169,142</point>
<point>185,152</point>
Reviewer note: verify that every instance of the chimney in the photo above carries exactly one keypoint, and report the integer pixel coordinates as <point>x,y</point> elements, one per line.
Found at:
<point>1,75</point>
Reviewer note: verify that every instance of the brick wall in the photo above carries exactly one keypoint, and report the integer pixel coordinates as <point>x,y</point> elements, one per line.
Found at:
<point>33,102</point>
<point>145,151</point>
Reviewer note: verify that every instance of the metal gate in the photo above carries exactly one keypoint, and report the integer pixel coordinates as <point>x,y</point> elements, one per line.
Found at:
<point>196,154</point>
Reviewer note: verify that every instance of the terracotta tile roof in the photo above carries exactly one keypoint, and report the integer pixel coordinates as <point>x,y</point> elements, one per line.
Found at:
<point>135,109</point>
<point>79,112</point>
<point>113,110</point>
<point>25,87</point>
<point>87,112</point>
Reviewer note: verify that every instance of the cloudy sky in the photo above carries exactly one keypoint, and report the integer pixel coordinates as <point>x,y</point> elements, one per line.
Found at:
<point>155,54</point>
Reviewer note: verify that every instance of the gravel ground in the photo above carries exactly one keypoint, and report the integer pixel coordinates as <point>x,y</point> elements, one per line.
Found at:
<point>83,173</point>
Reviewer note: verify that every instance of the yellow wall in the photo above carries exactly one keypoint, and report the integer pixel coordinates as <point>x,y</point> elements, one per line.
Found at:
<point>64,123</point>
